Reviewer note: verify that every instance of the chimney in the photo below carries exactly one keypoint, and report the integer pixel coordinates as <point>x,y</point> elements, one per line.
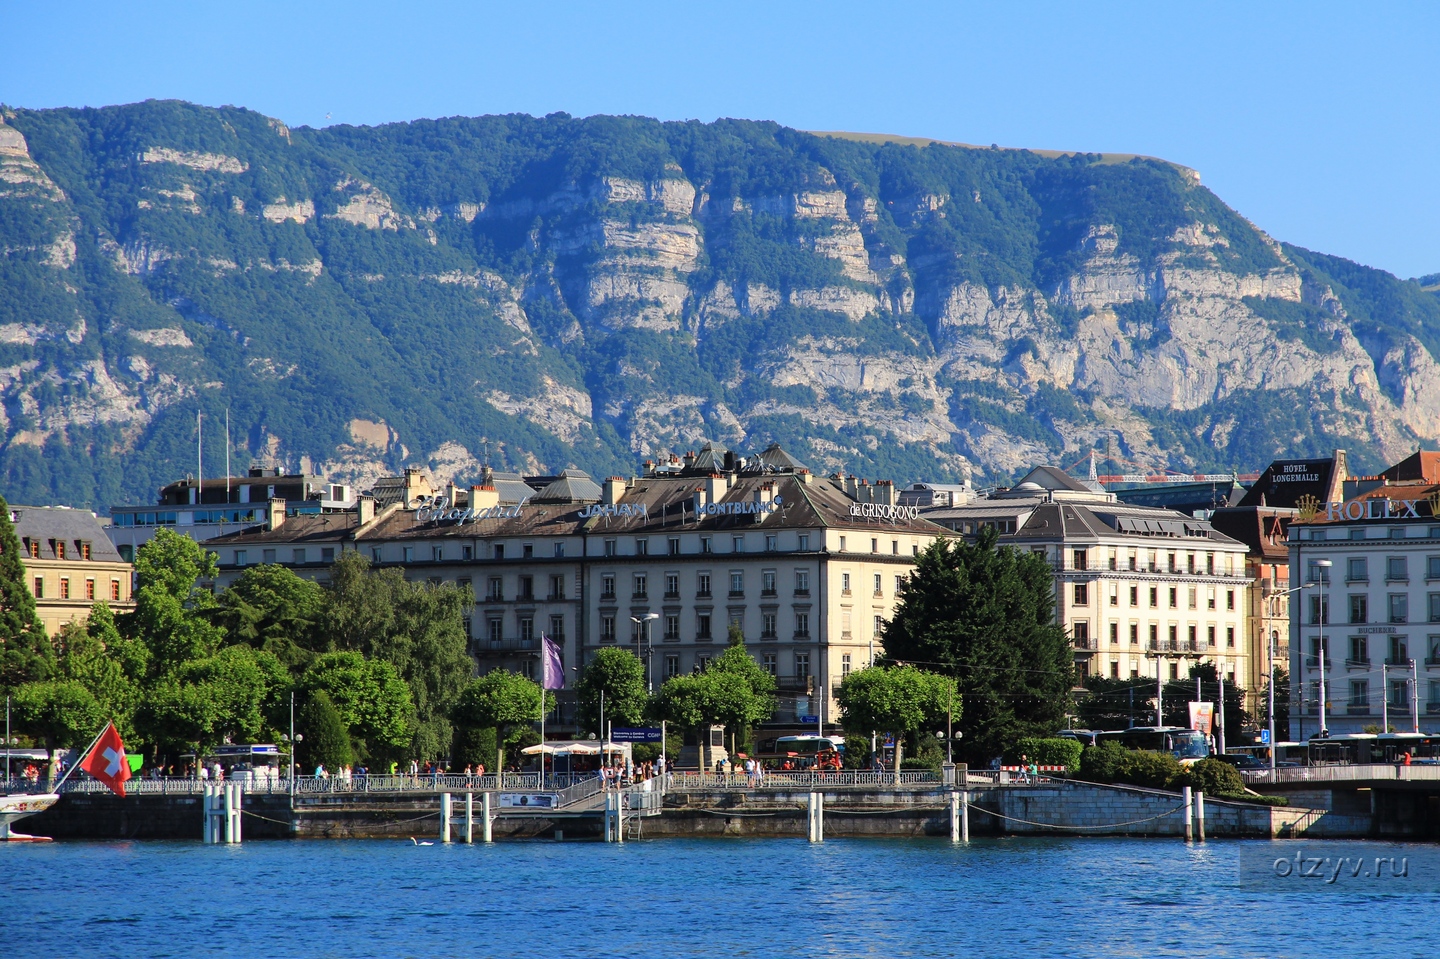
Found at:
<point>365,509</point>
<point>715,487</point>
<point>885,492</point>
<point>732,462</point>
<point>612,490</point>
<point>275,514</point>
<point>483,497</point>
<point>450,490</point>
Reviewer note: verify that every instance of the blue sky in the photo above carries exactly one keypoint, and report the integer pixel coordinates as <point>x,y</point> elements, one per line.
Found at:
<point>1318,121</point>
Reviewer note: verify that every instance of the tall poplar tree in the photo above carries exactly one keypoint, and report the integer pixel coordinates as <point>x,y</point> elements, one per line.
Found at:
<point>25,653</point>
<point>985,614</point>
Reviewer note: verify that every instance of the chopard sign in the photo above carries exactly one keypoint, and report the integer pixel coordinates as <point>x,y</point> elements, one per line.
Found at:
<point>437,509</point>
<point>883,511</point>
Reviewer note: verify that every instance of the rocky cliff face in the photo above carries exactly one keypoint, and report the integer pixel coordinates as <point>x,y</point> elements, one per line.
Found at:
<point>542,293</point>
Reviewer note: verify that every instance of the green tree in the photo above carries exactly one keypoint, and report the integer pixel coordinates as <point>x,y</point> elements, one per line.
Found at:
<point>419,628</point>
<point>984,615</point>
<point>371,698</point>
<point>743,693</point>
<point>326,742</point>
<point>111,667</point>
<point>899,700</point>
<point>25,651</point>
<point>63,713</point>
<point>1179,693</point>
<point>687,702</point>
<point>205,702</point>
<point>1282,703</point>
<point>619,674</point>
<point>269,607</point>
<point>499,700</point>
<point>1116,703</point>
<point>171,611</point>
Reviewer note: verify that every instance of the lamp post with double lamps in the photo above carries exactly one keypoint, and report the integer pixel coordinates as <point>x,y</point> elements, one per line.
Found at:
<point>1274,600</point>
<point>1322,567</point>
<point>644,623</point>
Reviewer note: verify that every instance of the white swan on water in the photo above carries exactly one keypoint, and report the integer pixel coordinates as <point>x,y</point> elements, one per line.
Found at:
<point>418,843</point>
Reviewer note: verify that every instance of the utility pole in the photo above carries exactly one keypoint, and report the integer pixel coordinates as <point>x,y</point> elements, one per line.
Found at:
<point>1323,565</point>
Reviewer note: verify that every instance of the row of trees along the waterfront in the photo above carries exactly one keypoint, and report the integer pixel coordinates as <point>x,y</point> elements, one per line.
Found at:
<point>379,669</point>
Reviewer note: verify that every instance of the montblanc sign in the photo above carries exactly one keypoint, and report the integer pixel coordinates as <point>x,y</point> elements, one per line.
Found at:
<point>738,508</point>
<point>437,509</point>
<point>883,511</point>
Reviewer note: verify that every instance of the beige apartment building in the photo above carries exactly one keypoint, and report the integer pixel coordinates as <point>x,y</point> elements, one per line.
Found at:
<point>70,564</point>
<point>665,563</point>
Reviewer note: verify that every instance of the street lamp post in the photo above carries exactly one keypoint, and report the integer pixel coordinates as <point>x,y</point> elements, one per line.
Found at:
<point>644,623</point>
<point>1274,599</point>
<point>1322,565</point>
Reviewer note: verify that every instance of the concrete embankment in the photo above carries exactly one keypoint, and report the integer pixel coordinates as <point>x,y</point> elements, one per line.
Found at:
<point>1051,809</point>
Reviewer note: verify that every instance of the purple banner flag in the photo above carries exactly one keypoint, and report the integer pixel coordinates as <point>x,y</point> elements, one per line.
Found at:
<point>554,676</point>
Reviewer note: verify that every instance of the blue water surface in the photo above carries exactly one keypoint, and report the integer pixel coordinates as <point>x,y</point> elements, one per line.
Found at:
<point>725,898</point>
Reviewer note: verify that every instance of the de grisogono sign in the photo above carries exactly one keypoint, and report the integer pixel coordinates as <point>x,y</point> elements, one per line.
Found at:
<point>883,511</point>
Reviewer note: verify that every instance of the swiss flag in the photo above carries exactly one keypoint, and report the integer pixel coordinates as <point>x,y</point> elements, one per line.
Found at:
<point>106,760</point>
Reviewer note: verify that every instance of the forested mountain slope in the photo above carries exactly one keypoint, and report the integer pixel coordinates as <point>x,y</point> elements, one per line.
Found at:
<point>537,293</point>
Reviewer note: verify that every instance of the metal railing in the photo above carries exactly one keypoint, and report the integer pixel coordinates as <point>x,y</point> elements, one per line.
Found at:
<point>1426,772</point>
<point>579,783</point>
<point>688,781</point>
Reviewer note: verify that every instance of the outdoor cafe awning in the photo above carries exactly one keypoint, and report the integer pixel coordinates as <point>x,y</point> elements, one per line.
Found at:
<point>578,747</point>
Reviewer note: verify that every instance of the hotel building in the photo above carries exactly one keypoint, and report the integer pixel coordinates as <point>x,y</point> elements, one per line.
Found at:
<point>70,564</point>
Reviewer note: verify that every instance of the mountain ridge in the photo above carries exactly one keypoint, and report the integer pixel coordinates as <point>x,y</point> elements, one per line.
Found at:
<point>536,293</point>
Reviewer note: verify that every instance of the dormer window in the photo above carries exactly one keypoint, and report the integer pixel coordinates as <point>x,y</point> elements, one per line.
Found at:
<point>59,549</point>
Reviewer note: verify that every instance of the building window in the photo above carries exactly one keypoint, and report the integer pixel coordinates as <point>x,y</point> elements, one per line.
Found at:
<point>672,627</point>
<point>874,545</point>
<point>767,626</point>
<point>878,626</point>
<point>467,553</point>
<point>805,542</point>
<point>737,544</point>
<point>737,583</point>
<point>268,555</point>
<point>1114,634</point>
<point>900,579</point>
<point>1432,564</point>
<point>771,543</point>
<point>1229,600</point>
<point>674,544</point>
<point>495,631</point>
<point>299,557</point>
<point>64,587</point>
<point>1193,636</point>
<point>1154,597</point>
<point>1359,609</point>
<point>34,546</point>
<point>702,585</point>
<point>1229,637</point>
<point>1359,651</point>
<point>802,624</point>
<point>894,547</point>
<point>844,665</point>
<point>609,547</point>
<point>1174,671</point>
<point>1360,694</point>
<point>1174,597</point>
<point>241,557</point>
<point>672,585</point>
<point>496,590</point>
<point>802,665</point>
<point>90,590</point>
<point>672,666</point>
<point>1081,558</point>
<point>327,554</point>
<point>115,590</point>
<point>374,554</point>
<point>1154,636</point>
<point>559,550</point>
<point>702,626</point>
<point>802,582</point>
<point>1399,651</point>
<point>498,551</point>
<point>607,629</point>
<point>1396,570</point>
<point>557,587</point>
<point>1319,610</point>
<point>879,586</point>
<point>844,584</point>
<point>1081,632</point>
<point>769,664</point>
<point>1399,607</point>
<point>705,544</point>
<point>642,547</point>
<point>1134,634</point>
<point>1114,594</point>
<point>527,589</point>
<point>1357,569</point>
<point>1134,595</point>
<point>1210,636</point>
<point>59,549</point>
<point>557,627</point>
<point>1082,594</point>
<point>1210,597</point>
<point>767,583</point>
<point>409,555</point>
<point>842,544</point>
<point>1191,596</point>
<point>607,586</point>
<point>640,587</point>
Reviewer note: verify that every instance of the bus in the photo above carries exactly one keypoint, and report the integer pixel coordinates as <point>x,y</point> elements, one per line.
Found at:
<point>800,750</point>
<point>1186,745</point>
<point>1358,749</point>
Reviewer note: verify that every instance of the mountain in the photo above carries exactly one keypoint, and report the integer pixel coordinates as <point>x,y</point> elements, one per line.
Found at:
<point>537,293</point>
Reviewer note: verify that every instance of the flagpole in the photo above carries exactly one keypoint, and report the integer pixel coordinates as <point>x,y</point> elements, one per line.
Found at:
<point>82,758</point>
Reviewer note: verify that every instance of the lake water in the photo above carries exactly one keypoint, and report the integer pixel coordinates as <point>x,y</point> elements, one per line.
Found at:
<point>725,898</point>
